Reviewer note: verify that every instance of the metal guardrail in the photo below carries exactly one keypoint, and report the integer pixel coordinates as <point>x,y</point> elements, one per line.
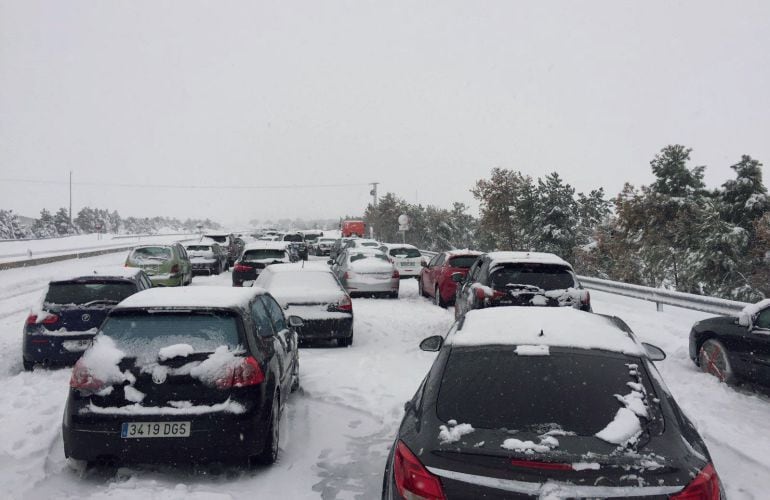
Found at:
<point>659,296</point>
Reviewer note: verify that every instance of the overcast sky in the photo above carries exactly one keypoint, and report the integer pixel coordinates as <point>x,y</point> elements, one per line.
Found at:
<point>423,97</point>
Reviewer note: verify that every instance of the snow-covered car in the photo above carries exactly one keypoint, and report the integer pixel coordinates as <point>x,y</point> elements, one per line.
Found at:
<point>229,244</point>
<point>436,277</point>
<point>534,403</point>
<point>407,258</point>
<point>62,326</point>
<point>166,265</point>
<point>311,292</point>
<point>323,246</point>
<point>735,349</point>
<point>256,257</point>
<point>363,243</point>
<point>297,242</point>
<point>519,279</point>
<point>184,375</point>
<point>366,272</point>
<point>207,257</point>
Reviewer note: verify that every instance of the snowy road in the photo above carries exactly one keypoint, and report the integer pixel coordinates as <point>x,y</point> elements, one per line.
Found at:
<point>337,430</point>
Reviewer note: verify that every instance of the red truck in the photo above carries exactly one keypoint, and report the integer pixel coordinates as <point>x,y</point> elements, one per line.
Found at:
<point>352,228</point>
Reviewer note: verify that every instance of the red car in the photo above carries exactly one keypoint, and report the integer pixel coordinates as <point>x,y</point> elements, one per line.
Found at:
<point>436,278</point>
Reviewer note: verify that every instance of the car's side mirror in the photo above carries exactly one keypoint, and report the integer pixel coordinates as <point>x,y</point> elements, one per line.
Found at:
<point>458,277</point>
<point>295,321</point>
<point>654,352</point>
<point>432,344</point>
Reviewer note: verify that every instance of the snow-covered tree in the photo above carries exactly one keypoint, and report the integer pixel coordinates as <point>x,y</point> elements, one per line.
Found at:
<point>44,226</point>
<point>10,226</point>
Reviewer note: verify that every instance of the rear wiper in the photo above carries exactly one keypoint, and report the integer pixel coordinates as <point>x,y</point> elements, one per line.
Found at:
<point>101,301</point>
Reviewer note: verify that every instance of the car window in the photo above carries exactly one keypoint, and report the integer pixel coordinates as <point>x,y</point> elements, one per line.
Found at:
<point>405,253</point>
<point>263,253</point>
<point>276,314</point>
<point>763,319</point>
<point>575,392</point>
<point>262,320</point>
<point>83,293</point>
<point>546,277</point>
<point>440,259</point>
<point>462,261</point>
<point>151,254</point>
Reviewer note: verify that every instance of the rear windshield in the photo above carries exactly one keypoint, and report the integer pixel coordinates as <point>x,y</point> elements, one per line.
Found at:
<point>405,253</point>
<point>263,253</point>
<point>218,239</point>
<point>293,237</point>
<point>369,244</point>
<point>91,291</point>
<point>143,335</point>
<point>463,261</point>
<point>547,277</point>
<point>311,237</point>
<point>151,254</point>
<point>304,280</point>
<point>494,388</point>
<point>198,248</point>
<point>362,256</point>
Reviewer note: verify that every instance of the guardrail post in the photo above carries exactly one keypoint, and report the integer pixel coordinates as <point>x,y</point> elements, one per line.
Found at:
<point>659,306</point>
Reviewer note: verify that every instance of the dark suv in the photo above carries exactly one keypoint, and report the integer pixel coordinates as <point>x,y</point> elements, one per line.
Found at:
<point>519,279</point>
<point>297,242</point>
<point>59,329</point>
<point>229,242</point>
<point>183,375</point>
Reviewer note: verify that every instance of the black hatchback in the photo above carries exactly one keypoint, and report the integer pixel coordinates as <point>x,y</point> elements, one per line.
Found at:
<point>565,404</point>
<point>59,329</point>
<point>184,375</point>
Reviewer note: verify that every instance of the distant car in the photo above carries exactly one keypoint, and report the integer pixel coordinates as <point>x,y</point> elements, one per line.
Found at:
<point>519,279</point>
<point>366,272</point>
<point>323,246</point>
<point>535,403</point>
<point>59,329</point>
<point>207,258</point>
<point>186,375</point>
<point>363,242</point>
<point>229,243</point>
<point>436,277</point>
<point>352,228</point>
<point>298,243</point>
<point>166,265</point>
<point>338,246</point>
<point>735,349</point>
<point>313,293</point>
<point>256,257</point>
<point>407,258</point>
<point>311,236</point>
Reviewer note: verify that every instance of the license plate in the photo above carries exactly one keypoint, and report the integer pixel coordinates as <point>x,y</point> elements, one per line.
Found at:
<point>76,345</point>
<point>407,264</point>
<point>154,429</point>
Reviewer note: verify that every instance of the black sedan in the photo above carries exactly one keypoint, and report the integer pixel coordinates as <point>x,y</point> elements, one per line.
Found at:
<point>735,349</point>
<point>183,375</point>
<point>566,404</point>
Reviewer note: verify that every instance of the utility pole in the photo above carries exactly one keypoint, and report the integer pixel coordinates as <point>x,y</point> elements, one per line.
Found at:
<point>373,192</point>
<point>70,199</point>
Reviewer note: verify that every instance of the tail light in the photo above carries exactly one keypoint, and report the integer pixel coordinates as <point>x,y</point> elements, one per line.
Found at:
<point>705,486</point>
<point>49,319</point>
<point>480,293</point>
<point>395,274</point>
<point>585,299</point>
<point>83,379</point>
<point>247,372</point>
<point>412,478</point>
<point>346,276</point>
<point>345,304</point>
<point>241,268</point>
<point>175,269</point>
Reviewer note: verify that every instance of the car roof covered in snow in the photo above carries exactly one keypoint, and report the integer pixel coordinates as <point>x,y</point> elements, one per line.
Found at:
<point>117,272</point>
<point>317,266</point>
<point>267,245</point>
<point>462,252</point>
<point>192,297</point>
<point>201,241</point>
<point>502,258</point>
<point>398,245</point>
<point>560,327</point>
<point>364,250</point>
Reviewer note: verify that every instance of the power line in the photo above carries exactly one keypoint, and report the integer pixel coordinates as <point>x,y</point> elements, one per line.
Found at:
<point>189,186</point>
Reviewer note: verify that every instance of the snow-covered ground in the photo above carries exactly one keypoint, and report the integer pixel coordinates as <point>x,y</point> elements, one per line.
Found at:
<point>336,432</point>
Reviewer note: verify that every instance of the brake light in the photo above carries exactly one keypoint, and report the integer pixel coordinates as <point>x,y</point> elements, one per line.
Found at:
<point>83,379</point>
<point>247,372</point>
<point>241,268</point>
<point>345,304</point>
<point>586,298</point>
<point>395,274</point>
<point>480,293</point>
<point>412,478</point>
<point>532,464</point>
<point>705,486</point>
<point>50,319</point>
<point>175,269</point>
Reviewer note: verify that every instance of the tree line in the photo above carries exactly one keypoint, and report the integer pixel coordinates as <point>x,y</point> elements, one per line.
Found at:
<point>92,220</point>
<point>674,233</point>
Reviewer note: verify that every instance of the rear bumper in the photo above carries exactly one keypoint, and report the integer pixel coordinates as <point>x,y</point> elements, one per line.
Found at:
<point>241,276</point>
<point>337,328</point>
<point>49,350</point>
<point>363,287</point>
<point>216,436</point>
<point>167,279</point>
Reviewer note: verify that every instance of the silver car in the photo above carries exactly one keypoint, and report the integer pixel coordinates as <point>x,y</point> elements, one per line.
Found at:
<point>366,272</point>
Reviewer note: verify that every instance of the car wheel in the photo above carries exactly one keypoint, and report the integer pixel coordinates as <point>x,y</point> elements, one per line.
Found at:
<point>420,288</point>
<point>28,365</point>
<point>295,377</point>
<point>345,341</point>
<point>437,298</point>
<point>269,453</point>
<point>393,295</point>
<point>713,359</point>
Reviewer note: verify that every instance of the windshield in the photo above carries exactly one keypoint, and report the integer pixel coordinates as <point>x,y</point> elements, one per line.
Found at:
<point>463,261</point>
<point>293,237</point>
<point>544,276</point>
<point>198,248</point>
<point>575,392</point>
<point>368,244</point>
<point>218,239</point>
<point>83,293</point>
<point>151,253</point>
<point>144,334</point>
<point>311,237</point>
<point>263,254</point>
<point>405,253</point>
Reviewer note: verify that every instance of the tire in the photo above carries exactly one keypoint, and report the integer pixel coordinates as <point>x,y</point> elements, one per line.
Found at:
<point>393,295</point>
<point>345,341</point>
<point>713,359</point>
<point>295,377</point>
<point>422,290</point>
<point>28,365</point>
<point>269,453</point>
<point>438,300</point>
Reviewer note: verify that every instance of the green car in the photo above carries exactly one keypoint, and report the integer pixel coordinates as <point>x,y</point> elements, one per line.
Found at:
<point>166,265</point>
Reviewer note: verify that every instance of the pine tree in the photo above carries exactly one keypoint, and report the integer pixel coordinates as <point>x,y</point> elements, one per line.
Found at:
<point>44,226</point>
<point>62,222</point>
